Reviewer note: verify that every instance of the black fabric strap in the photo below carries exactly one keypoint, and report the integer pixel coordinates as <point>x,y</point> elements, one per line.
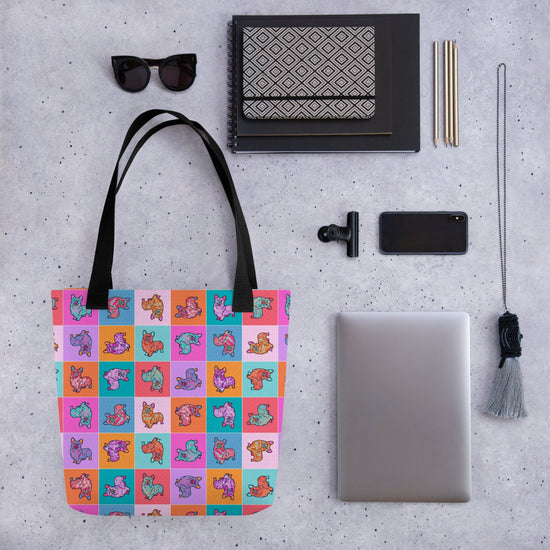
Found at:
<point>101,279</point>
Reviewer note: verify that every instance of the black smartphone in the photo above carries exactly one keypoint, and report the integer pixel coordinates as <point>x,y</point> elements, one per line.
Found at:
<point>423,232</point>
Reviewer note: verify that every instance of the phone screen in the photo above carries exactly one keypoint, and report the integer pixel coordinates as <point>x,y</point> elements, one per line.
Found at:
<point>423,232</point>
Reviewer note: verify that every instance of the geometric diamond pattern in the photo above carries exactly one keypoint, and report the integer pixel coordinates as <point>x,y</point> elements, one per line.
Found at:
<point>308,72</point>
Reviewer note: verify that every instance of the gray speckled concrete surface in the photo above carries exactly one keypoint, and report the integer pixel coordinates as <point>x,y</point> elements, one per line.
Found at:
<point>62,122</point>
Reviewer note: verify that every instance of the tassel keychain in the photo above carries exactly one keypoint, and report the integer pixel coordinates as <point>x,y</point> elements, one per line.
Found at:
<point>506,399</point>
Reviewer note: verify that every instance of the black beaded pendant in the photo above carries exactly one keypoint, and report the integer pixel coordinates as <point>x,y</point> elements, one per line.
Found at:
<point>506,399</point>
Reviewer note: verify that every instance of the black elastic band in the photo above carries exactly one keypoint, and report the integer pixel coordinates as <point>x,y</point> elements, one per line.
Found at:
<point>307,97</point>
<point>101,279</point>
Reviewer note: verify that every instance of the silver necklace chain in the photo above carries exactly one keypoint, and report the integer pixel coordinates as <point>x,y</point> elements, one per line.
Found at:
<point>501,197</point>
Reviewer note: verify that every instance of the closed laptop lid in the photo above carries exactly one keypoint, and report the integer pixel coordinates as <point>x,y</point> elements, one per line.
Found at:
<point>403,403</point>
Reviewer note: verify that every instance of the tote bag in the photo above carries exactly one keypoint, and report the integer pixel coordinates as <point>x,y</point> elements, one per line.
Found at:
<point>170,401</point>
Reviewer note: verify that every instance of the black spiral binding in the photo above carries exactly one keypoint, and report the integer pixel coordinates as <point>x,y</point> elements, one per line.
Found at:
<point>231,87</point>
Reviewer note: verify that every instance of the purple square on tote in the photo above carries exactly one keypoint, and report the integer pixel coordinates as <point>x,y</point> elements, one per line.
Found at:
<point>188,486</point>
<point>80,450</point>
<point>283,342</point>
<point>188,378</point>
<point>80,343</point>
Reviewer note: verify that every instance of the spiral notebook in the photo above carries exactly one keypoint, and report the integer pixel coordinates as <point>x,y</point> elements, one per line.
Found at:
<point>268,113</point>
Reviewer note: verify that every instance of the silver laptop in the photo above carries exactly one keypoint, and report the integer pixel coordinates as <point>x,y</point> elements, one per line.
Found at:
<point>403,404</point>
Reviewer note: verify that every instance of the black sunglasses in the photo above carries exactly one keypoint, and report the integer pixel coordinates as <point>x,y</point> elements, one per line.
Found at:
<point>176,72</point>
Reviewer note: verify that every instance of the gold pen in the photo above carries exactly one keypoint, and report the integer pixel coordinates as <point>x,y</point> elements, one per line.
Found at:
<point>446,89</point>
<point>451,91</point>
<point>436,92</point>
<point>455,93</point>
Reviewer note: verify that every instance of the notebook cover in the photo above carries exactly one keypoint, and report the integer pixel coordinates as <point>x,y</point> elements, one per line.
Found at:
<point>405,93</point>
<point>309,72</point>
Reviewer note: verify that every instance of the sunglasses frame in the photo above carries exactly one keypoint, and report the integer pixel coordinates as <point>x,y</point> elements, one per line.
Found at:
<point>158,64</point>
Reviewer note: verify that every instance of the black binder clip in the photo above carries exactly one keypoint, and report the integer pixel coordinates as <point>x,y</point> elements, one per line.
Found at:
<point>350,234</point>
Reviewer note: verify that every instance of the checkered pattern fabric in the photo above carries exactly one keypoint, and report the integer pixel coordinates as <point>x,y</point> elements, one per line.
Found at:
<point>170,403</point>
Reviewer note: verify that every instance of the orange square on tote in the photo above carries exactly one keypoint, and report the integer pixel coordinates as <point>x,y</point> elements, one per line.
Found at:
<point>80,379</point>
<point>224,379</point>
<point>188,510</point>
<point>224,486</point>
<point>282,376</point>
<point>188,307</point>
<point>116,343</point>
<point>82,486</point>
<point>116,450</point>
<point>188,414</point>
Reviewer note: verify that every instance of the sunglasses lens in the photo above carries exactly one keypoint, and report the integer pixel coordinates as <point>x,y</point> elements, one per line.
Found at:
<point>132,74</point>
<point>177,74</point>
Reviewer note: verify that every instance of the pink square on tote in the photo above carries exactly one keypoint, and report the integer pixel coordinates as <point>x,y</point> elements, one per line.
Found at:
<point>188,343</point>
<point>152,307</point>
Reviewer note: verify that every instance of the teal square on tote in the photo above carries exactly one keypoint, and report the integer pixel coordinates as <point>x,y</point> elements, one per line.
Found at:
<point>116,487</point>
<point>152,343</point>
<point>224,415</point>
<point>114,510</point>
<point>120,308</point>
<point>224,510</point>
<point>116,379</point>
<point>59,377</point>
<point>219,308</point>
<point>152,451</point>
<point>260,379</point>
<point>259,486</point>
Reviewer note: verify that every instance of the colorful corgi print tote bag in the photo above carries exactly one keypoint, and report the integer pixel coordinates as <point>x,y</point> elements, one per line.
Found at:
<point>170,401</point>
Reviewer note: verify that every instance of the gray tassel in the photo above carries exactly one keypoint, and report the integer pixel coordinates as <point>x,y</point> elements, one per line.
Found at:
<point>506,399</point>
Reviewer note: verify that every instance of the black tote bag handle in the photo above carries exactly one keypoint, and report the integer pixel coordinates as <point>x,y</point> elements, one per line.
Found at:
<point>101,279</point>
